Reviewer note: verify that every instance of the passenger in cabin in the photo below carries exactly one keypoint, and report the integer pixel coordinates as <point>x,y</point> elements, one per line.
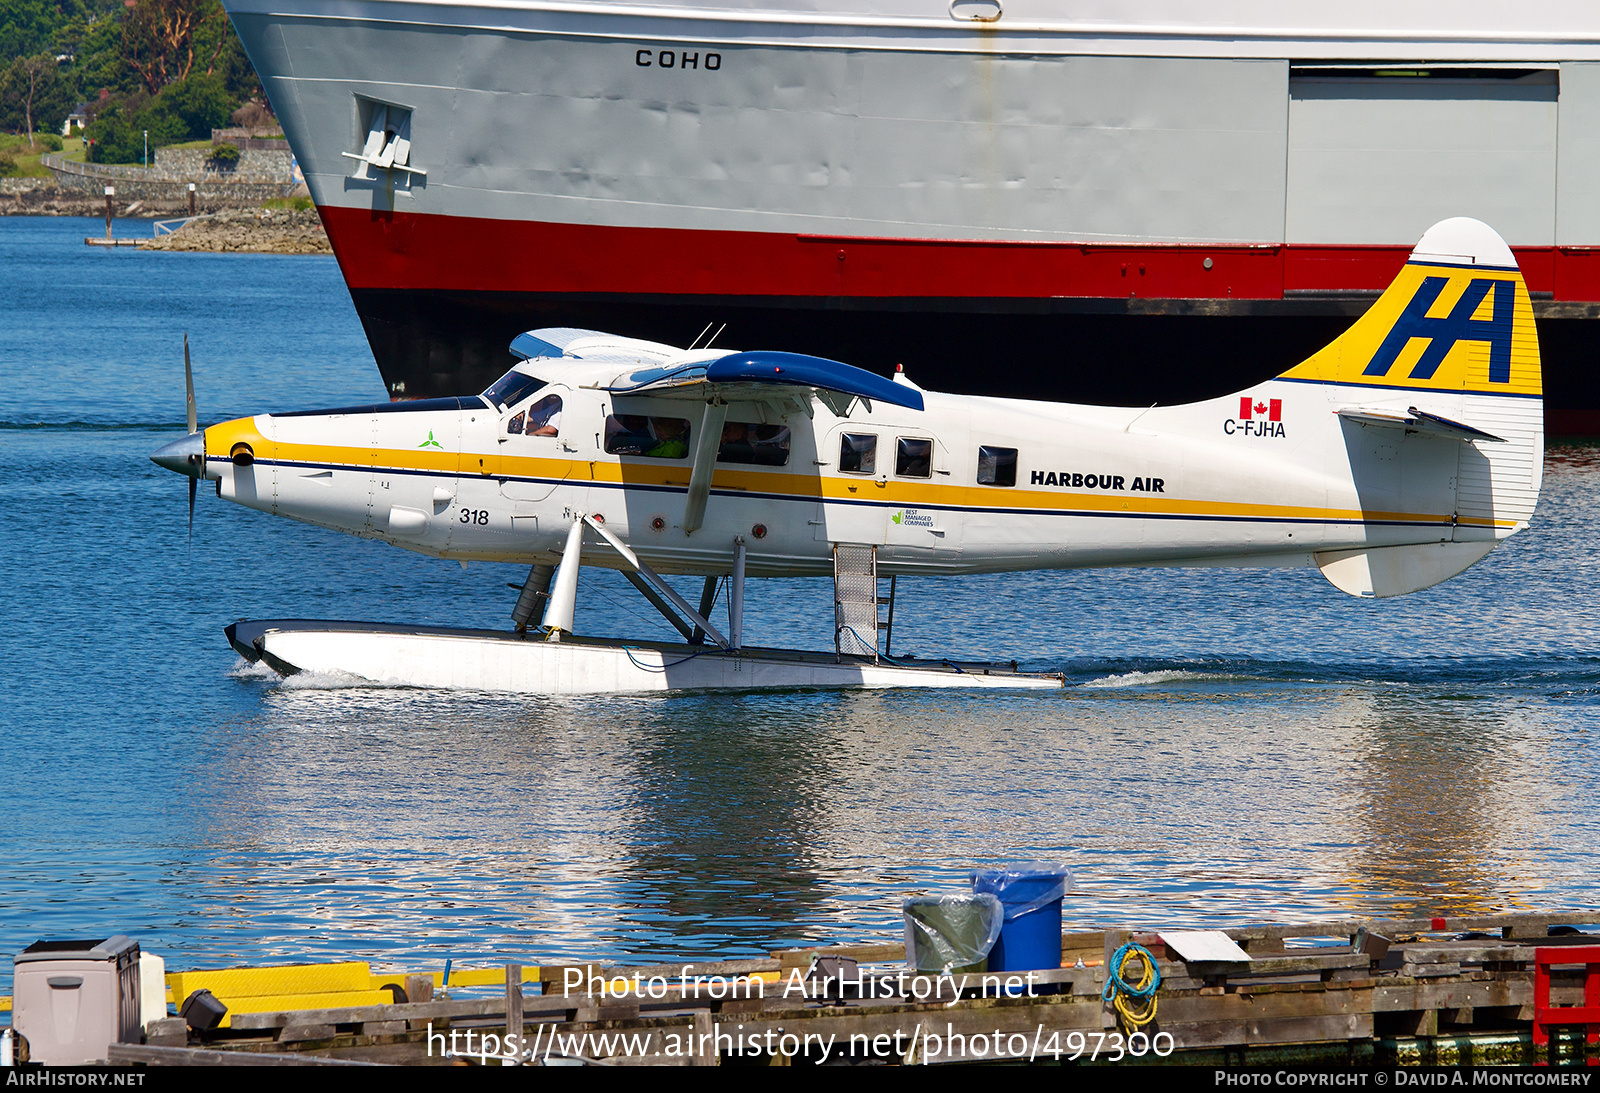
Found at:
<point>672,438</point>
<point>763,445</point>
<point>628,434</point>
<point>544,416</point>
<point>770,445</point>
<point>735,446</point>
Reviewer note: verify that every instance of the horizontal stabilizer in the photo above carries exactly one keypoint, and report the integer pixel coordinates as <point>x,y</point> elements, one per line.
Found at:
<point>1418,421</point>
<point>1396,570</point>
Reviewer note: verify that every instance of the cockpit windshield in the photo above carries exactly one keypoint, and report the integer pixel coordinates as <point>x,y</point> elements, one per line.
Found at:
<point>512,388</point>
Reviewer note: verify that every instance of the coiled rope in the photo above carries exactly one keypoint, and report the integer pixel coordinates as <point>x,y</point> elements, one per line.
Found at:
<point>1134,1003</point>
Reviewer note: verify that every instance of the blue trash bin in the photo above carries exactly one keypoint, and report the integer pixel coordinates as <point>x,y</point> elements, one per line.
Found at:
<point>1030,936</point>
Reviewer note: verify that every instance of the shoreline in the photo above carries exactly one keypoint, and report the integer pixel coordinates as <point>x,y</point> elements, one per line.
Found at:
<point>244,228</point>
<point>249,231</point>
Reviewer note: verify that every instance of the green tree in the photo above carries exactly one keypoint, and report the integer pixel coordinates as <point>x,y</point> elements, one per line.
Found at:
<point>26,27</point>
<point>33,95</point>
<point>186,110</point>
<point>159,39</point>
<point>56,27</point>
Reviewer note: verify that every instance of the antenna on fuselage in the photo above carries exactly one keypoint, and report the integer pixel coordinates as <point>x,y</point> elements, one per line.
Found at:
<point>696,343</point>
<point>1137,416</point>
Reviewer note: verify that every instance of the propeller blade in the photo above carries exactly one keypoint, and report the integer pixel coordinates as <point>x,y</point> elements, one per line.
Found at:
<point>193,482</point>
<point>188,383</point>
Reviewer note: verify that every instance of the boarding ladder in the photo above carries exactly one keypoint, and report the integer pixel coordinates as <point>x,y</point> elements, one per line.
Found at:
<point>856,601</point>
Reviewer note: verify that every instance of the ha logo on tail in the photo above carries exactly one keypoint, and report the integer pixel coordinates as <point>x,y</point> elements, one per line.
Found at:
<point>1441,374</point>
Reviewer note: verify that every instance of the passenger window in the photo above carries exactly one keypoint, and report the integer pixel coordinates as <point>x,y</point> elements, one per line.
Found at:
<point>858,453</point>
<point>997,466</point>
<point>544,417</point>
<point>914,458</point>
<point>763,445</point>
<point>657,437</point>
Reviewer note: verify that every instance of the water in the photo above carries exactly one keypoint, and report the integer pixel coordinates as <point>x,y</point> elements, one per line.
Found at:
<point>1235,746</point>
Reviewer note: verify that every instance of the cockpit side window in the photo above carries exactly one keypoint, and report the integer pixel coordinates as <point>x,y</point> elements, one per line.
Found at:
<point>512,388</point>
<point>544,417</point>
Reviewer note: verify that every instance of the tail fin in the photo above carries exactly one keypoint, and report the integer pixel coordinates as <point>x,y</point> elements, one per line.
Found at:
<point>1448,353</point>
<point>1456,319</point>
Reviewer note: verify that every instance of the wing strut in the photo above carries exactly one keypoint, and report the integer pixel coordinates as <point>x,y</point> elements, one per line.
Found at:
<point>705,462</point>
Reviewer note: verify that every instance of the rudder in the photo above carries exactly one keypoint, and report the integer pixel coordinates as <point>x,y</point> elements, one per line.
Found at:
<point>1448,350</point>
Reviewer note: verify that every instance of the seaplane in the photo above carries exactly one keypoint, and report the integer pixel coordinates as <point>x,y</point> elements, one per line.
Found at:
<point>1391,460</point>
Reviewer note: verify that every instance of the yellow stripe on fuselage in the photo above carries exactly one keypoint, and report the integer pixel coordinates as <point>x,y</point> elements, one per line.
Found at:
<point>790,486</point>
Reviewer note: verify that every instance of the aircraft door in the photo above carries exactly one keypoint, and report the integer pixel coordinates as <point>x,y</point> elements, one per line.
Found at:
<point>926,522</point>
<point>535,455</point>
<point>854,483</point>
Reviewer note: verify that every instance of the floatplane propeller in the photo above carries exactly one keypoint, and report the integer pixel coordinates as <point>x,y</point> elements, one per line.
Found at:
<point>187,456</point>
<point>1391,460</point>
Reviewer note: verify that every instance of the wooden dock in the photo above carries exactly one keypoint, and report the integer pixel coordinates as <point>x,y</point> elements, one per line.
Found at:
<point>1437,991</point>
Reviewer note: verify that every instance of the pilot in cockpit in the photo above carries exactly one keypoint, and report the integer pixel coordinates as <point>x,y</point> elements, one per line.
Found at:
<point>544,417</point>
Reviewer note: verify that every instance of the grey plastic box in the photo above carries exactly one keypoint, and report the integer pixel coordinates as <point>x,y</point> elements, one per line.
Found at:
<point>72,999</point>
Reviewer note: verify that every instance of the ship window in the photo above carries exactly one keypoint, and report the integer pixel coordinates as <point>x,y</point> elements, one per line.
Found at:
<point>858,453</point>
<point>512,388</point>
<point>914,458</point>
<point>997,466</point>
<point>657,437</point>
<point>763,445</point>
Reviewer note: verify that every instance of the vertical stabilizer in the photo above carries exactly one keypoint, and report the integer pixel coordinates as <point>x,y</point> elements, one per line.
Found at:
<point>1448,352</point>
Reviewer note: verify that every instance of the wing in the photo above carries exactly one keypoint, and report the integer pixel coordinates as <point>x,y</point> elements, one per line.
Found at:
<point>765,377</point>
<point>760,376</point>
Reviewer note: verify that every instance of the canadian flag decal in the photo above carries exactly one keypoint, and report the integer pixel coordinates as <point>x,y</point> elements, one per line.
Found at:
<point>1249,408</point>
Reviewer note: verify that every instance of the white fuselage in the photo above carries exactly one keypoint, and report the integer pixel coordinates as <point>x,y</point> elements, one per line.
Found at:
<point>1198,484</point>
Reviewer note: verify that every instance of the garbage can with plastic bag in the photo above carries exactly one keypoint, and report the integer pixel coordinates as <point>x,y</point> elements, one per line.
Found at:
<point>951,933</point>
<point>1030,934</point>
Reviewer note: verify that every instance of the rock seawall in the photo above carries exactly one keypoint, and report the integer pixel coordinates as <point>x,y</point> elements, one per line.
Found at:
<point>250,231</point>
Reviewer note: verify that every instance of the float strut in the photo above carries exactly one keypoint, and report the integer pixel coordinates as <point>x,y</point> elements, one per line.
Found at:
<point>888,629</point>
<point>661,605</point>
<point>661,586</point>
<point>564,596</point>
<point>708,599</point>
<point>534,589</point>
<point>736,597</point>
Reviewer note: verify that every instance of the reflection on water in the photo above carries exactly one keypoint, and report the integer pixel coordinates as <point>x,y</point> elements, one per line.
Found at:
<point>1233,747</point>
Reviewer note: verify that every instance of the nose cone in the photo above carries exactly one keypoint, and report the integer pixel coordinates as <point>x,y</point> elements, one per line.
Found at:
<point>186,456</point>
